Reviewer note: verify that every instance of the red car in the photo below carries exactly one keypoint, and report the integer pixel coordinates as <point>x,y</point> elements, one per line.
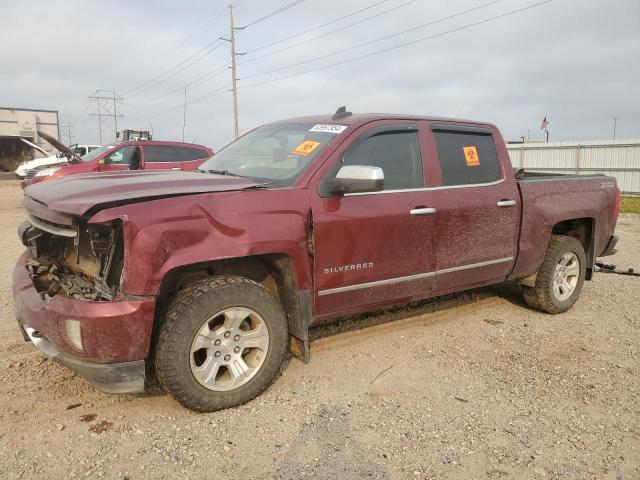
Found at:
<point>133,155</point>
<point>205,280</point>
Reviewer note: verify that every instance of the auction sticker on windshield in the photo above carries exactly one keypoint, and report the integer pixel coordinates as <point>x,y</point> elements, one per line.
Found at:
<point>328,128</point>
<point>305,148</point>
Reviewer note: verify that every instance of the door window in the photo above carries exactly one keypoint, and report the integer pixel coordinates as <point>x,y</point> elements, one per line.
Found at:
<point>121,156</point>
<point>396,152</point>
<point>467,157</point>
<point>161,154</point>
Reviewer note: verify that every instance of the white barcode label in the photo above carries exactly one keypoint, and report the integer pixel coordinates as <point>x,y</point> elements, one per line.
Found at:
<point>328,128</point>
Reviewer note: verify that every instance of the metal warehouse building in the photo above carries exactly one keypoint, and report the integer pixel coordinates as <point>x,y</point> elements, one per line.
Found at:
<point>618,158</point>
<point>16,123</point>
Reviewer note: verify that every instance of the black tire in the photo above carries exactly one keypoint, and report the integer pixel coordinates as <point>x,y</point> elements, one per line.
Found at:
<point>542,296</point>
<point>186,314</point>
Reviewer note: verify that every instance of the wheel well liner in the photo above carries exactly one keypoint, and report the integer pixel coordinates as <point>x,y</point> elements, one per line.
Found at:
<point>583,230</point>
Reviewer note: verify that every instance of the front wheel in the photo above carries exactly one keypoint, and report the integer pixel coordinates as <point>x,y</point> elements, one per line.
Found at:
<point>222,343</point>
<point>560,277</point>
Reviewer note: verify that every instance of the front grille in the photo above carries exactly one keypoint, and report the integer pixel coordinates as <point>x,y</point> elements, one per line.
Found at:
<point>31,173</point>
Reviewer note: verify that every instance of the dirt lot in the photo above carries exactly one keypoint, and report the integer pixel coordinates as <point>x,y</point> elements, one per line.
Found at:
<point>475,386</point>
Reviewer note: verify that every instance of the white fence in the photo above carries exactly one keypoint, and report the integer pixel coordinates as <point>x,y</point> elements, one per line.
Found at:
<point>618,158</point>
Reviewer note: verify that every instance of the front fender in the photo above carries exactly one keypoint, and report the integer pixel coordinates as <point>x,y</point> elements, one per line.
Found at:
<point>165,234</point>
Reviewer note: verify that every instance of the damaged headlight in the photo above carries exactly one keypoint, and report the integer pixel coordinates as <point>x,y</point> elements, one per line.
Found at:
<point>86,265</point>
<point>47,172</point>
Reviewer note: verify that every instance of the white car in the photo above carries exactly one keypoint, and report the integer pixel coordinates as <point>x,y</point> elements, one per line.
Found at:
<point>32,166</point>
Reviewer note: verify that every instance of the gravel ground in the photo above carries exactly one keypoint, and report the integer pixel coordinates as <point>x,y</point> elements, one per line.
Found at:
<point>473,386</point>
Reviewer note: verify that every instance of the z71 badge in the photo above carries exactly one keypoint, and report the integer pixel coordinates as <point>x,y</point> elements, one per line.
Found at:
<point>348,268</point>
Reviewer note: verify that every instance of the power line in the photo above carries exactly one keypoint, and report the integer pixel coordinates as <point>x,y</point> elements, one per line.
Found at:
<point>218,17</point>
<point>178,91</point>
<point>386,37</point>
<point>214,93</point>
<point>280,10</point>
<point>413,42</point>
<point>168,73</point>
<point>464,27</point>
<point>344,27</point>
<point>291,37</point>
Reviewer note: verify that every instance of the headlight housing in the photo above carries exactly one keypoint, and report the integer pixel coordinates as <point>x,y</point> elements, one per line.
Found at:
<point>47,172</point>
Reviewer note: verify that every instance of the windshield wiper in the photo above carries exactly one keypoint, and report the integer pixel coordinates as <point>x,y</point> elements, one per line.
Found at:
<point>222,172</point>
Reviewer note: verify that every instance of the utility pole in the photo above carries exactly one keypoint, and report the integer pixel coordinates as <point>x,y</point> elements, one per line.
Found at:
<point>68,128</point>
<point>615,126</point>
<point>234,77</point>
<point>184,112</point>
<point>106,106</point>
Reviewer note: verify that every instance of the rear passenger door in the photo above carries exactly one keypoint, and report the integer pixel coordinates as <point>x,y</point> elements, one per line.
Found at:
<point>162,157</point>
<point>477,207</point>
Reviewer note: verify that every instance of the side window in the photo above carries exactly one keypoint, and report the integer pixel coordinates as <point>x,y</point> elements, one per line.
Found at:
<point>467,158</point>
<point>397,153</point>
<point>161,154</point>
<point>188,154</point>
<point>121,156</point>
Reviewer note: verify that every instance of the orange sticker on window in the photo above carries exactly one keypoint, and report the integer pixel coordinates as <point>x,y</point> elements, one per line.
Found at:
<point>471,156</point>
<point>305,148</point>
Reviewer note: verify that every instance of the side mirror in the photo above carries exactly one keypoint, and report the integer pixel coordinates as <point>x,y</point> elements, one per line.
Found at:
<point>101,161</point>
<point>357,179</point>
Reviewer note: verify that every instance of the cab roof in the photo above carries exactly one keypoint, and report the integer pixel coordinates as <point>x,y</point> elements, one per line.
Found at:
<point>358,119</point>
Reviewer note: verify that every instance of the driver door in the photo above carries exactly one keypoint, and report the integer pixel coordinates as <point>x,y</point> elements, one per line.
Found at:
<point>125,158</point>
<point>376,247</point>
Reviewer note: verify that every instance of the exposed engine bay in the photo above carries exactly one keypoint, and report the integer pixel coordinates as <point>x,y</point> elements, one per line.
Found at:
<point>82,261</point>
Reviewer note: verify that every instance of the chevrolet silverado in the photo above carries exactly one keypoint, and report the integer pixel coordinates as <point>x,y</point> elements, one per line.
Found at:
<point>204,281</point>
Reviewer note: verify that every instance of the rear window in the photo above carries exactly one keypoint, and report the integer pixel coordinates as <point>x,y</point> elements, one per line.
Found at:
<point>161,154</point>
<point>187,154</point>
<point>467,157</point>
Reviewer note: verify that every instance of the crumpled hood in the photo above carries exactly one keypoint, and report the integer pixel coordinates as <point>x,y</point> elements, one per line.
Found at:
<point>77,194</point>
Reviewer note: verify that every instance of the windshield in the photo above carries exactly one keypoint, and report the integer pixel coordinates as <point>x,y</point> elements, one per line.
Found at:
<point>92,155</point>
<point>274,153</point>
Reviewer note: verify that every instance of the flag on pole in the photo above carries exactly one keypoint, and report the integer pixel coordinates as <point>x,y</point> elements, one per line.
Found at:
<point>545,124</point>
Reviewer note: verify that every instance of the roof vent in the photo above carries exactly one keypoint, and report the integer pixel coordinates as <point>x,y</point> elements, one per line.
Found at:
<point>341,112</point>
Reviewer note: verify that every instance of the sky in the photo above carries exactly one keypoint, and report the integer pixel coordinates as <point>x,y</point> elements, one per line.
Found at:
<point>575,61</point>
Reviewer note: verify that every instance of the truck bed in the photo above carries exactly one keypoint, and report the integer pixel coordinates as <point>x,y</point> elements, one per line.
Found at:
<point>549,200</point>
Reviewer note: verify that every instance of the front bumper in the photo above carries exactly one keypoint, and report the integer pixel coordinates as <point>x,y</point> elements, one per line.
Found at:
<point>126,377</point>
<point>116,335</point>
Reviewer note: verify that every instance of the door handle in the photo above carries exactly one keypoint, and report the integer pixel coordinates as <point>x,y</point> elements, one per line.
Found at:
<point>422,211</point>
<point>506,203</point>
<point>176,168</point>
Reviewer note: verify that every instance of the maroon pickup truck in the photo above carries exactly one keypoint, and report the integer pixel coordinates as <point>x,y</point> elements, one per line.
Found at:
<point>204,281</point>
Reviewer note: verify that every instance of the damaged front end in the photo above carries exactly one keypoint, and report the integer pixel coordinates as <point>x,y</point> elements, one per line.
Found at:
<point>83,261</point>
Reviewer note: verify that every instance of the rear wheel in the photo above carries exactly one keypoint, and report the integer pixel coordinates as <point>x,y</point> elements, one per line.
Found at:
<point>560,277</point>
<point>222,343</point>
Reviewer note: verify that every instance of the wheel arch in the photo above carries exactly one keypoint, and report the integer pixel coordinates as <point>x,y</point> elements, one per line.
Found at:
<point>583,230</point>
<point>274,271</point>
